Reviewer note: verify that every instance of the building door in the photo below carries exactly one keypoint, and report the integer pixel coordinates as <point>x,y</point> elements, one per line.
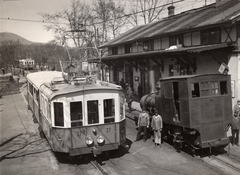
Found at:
<point>129,74</point>
<point>115,75</point>
<point>145,82</point>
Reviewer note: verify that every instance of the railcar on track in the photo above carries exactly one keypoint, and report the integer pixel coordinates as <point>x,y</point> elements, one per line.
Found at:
<point>26,64</point>
<point>77,117</point>
<point>196,109</point>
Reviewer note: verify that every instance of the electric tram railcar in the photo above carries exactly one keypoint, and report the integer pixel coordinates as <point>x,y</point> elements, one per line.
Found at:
<point>26,64</point>
<point>196,110</point>
<point>80,117</point>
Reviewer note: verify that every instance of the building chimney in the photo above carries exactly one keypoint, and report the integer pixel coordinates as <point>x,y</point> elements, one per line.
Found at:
<point>171,10</point>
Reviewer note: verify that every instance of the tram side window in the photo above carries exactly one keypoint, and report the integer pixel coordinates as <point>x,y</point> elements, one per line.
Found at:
<point>76,114</point>
<point>58,114</point>
<point>121,107</point>
<point>195,90</point>
<point>92,107</point>
<point>109,110</point>
<point>223,87</point>
<point>31,89</point>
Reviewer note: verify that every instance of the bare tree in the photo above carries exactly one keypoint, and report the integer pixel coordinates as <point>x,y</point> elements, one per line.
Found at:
<point>68,24</point>
<point>146,10</point>
<point>8,53</point>
<point>110,18</point>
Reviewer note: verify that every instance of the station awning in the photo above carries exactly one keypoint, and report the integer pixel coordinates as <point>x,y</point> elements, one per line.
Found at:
<point>177,51</point>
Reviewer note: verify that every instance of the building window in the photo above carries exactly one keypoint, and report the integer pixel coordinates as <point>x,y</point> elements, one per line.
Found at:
<point>210,37</point>
<point>170,70</point>
<point>76,113</point>
<point>175,40</point>
<point>109,110</point>
<point>58,114</point>
<point>92,107</point>
<point>148,45</point>
<point>128,48</point>
<point>115,50</point>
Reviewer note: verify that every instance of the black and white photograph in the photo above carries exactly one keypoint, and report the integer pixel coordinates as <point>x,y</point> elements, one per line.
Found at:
<point>119,87</point>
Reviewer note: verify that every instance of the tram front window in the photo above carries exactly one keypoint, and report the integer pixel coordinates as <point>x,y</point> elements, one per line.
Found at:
<point>109,110</point>
<point>92,107</point>
<point>58,114</point>
<point>76,113</point>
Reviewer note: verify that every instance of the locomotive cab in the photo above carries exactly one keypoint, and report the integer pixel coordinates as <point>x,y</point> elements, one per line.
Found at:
<point>196,110</point>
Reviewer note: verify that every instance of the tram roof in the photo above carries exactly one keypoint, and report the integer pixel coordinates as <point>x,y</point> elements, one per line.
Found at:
<point>39,78</point>
<point>52,84</point>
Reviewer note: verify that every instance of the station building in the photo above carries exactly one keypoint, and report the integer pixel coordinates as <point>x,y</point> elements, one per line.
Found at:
<point>199,41</point>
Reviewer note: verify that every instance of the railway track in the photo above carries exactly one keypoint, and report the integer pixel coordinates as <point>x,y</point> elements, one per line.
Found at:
<point>222,163</point>
<point>98,167</point>
<point>90,165</point>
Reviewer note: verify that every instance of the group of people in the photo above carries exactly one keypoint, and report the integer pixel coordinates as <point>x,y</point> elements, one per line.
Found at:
<point>144,124</point>
<point>3,71</point>
<point>157,125</point>
<point>129,93</point>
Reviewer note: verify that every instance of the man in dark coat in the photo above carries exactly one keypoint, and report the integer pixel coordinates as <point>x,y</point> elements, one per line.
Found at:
<point>122,84</point>
<point>140,91</point>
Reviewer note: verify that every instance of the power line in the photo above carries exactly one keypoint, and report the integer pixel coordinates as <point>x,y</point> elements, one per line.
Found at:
<point>126,15</point>
<point>28,20</point>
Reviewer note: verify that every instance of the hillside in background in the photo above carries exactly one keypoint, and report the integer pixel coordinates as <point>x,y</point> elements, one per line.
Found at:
<point>5,36</point>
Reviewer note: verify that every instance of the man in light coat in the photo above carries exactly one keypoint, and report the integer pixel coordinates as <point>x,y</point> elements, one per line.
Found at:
<point>157,125</point>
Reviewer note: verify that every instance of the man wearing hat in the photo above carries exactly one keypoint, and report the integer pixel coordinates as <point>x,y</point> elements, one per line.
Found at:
<point>236,123</point>
<point>143,124</point>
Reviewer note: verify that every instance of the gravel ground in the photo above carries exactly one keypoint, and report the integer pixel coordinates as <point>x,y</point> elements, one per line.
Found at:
<point>10,84</point>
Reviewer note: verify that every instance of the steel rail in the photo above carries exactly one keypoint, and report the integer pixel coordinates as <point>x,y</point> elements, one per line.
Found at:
<point>98,167</point>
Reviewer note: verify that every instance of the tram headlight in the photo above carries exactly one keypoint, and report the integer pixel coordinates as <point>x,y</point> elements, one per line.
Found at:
<point>89,141</point>
<point>100,140</point>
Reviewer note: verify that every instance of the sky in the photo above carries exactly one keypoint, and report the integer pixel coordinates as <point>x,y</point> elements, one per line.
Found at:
<point>16,16</point>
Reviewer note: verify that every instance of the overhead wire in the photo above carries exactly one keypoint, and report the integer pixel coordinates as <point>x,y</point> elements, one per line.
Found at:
<point>126,15</point>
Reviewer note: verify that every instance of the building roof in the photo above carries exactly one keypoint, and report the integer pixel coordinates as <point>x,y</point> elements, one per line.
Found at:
<point>211,15</point>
